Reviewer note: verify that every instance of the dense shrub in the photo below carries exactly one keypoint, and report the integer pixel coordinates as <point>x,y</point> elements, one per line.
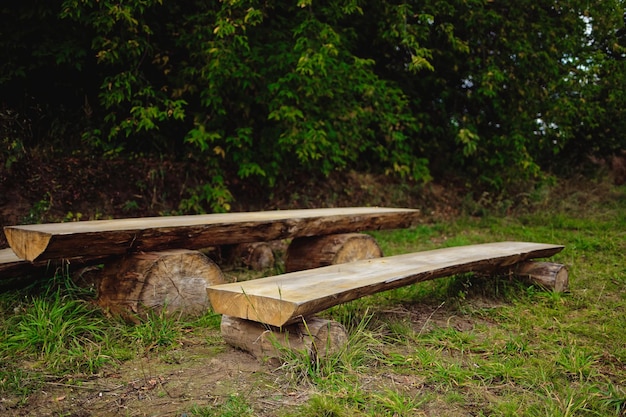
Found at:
<point>488,90</point>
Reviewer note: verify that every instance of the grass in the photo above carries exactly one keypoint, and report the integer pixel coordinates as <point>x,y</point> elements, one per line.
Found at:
<point>462,345</point>
<point>233,406</point>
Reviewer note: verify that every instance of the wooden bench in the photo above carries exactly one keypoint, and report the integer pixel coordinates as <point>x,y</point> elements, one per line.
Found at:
<point>121,236</point>
<point>279,301</point>
<point>153,262</point>
<point>286,298</point>
<point>11,264</point>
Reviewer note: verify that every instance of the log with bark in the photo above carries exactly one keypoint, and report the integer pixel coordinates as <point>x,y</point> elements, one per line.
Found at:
<point>169,282</point>
<point>286,298</point>
<point>548,275</point>
<point>317,251</point>
<point>314,337</point>
<point>121,236</point>
<point>256,256</point>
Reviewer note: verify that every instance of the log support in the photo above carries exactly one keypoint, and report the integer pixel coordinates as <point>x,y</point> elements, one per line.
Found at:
<point>256,256</point>
<point>317,251</point>
<point>169,282</point>
<point>314,337</point>
<point>549,275</point>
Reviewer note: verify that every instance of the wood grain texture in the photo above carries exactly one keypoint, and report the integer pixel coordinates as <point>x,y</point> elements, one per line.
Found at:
<point>549,275</point>
<point>171,282</point>
<point>286,298</point>
<point>317,251</point>
<point>116,237</point>
<point>316,337</point>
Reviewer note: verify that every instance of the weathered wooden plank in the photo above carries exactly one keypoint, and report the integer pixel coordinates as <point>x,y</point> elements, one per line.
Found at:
<point>283,299</point>
<point>115,237</point>
<point>12,266</point>
<point>7,256</point>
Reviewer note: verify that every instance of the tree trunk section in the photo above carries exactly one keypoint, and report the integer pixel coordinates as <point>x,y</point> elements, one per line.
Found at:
<point>313,336</point>
<point>317,251</point>
<point>170,282</point>
<point>256,256</point>
<point>548,275</point>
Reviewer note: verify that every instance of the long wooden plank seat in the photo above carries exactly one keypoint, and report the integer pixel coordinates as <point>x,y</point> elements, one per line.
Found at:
<point>284,299</point>
<point>120,236</point>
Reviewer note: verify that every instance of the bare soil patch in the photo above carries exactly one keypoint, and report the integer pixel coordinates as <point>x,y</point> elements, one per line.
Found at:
<point>162,384</point>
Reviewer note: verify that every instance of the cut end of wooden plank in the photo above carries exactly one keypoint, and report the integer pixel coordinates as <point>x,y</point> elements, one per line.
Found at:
<point>276,313</point>
<point>29,246</point>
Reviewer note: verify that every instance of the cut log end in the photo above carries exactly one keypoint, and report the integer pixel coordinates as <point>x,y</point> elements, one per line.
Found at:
<point>314,337</point>
<point>257,256</point>
<point>170,282</point>
<point>317,251</point>
<point>548,275</point>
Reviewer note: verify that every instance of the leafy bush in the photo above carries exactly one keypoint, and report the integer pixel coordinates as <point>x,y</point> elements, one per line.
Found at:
<point>265,89</point>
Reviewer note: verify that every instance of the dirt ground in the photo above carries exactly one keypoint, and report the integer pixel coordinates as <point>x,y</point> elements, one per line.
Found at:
<point>202,373</point>
<point>153,386</point>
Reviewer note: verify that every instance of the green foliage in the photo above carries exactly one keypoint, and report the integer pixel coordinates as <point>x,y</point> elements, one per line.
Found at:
<point>213,194</point>
<point>263,90</point>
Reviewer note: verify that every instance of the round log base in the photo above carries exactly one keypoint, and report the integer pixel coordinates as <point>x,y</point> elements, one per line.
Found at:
<point>317,251</point>
<point>314,336</point>
<point>256,256</point>
<point>170,282</point>
<point>548,275</point>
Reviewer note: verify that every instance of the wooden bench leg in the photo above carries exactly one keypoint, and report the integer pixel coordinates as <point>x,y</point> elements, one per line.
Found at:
<point>314,336</point>
<point>173,282</point>
<point>549,275</point>
<point>316,251</point>
<point>256,256</point>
